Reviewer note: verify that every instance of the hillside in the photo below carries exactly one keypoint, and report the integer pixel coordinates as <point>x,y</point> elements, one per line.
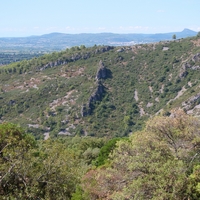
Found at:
<point>101,90</point>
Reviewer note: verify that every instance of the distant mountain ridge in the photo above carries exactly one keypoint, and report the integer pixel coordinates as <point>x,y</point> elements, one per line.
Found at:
<point>60,41</point>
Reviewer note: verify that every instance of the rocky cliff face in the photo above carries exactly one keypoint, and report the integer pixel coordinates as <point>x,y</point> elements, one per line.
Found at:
<point>183,72</point>
<point>191,102</point>
<point>97,95</point>
<point>196,57</point>
<point>195,66</point>
<point>101,72</point>
<point>85,110</point>
<point>75,57</point>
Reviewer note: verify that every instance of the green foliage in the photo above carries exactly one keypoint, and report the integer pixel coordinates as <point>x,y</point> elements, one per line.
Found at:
<point>91,154</point>
<point>79,195</point>
<point>193,189</point>
<point>159,162</point>
<point>174,37</point>
<point>47,170</point>
<point>105,151</point>
<point>154,163</point>
<point>14,155</point>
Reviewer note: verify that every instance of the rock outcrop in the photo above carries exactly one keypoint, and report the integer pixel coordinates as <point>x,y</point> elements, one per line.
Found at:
<point>183,72</point>
<point>103,49</point>
<point>101,72</point>
<point>75,57</point>
<point>97,95</point>
<point>191,102</point>
<point>195,59</point>
<point>85,110</point>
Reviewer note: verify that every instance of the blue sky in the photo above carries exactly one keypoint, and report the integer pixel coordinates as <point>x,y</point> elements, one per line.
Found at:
<point>20,18</point>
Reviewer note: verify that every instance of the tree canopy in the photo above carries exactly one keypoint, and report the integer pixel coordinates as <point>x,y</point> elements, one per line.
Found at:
<point>153,164</point>
<point>159,162</point>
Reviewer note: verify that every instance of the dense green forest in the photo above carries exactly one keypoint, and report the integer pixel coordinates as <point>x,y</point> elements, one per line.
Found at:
<point>159,162</point>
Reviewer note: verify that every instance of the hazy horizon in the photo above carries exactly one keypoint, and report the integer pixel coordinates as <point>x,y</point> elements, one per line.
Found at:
<point>91,33</point>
